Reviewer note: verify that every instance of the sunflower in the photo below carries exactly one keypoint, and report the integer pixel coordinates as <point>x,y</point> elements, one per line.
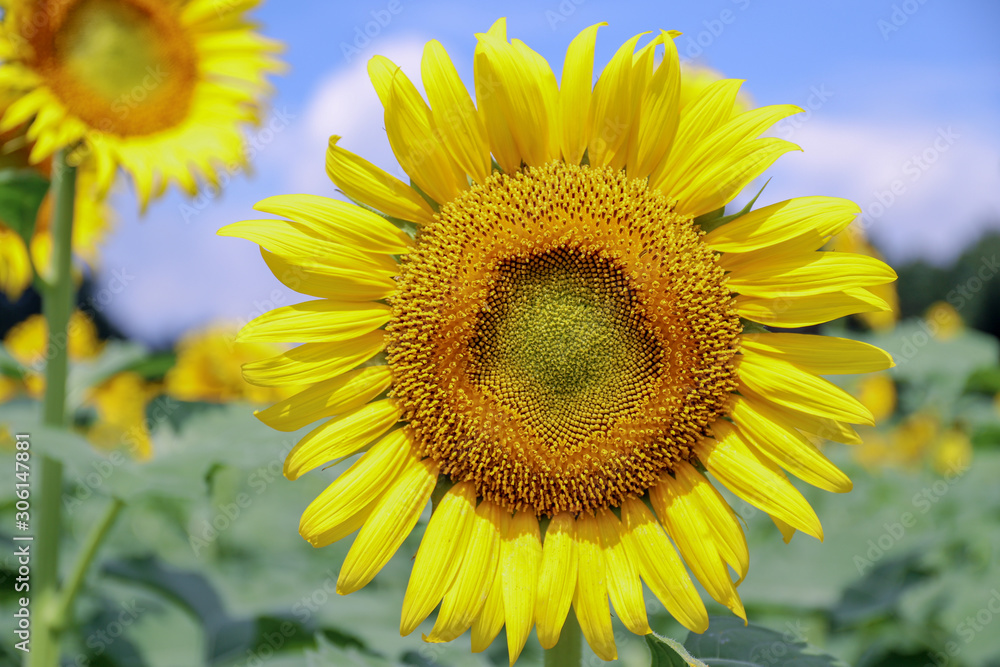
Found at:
<point>560,353</point>
<point>93,218</point>
<point>158,87</point>
<point>28,343</point>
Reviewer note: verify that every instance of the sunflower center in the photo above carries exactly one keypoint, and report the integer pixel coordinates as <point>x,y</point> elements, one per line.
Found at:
<point>561,338</point>
<point>561,343</point>
<point>122,67</point>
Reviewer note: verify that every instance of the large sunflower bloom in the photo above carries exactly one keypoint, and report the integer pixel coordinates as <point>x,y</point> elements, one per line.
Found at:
<point>566,352</point>
<point>158,87</point>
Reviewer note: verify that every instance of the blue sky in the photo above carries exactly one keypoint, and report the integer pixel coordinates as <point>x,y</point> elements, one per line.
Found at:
<point>902,99</point>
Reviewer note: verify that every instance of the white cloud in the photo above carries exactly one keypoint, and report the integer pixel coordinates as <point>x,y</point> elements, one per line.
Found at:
<point>345,103</point>
<point>946,181</point>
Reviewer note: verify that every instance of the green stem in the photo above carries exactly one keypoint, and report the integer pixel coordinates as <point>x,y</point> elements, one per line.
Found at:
<point>57,306</point>
<point>64,612</point>
<point>568,651</point>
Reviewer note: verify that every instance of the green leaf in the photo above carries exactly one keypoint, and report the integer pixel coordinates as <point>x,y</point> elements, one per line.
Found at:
<point>878,593</point>
<point>153,366</point>
<point>730,643</point>
<point>666,652</point>
<point>984,380</point>
<point>21,194</point>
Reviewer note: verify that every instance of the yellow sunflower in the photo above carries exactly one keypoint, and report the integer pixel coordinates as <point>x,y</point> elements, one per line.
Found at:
<point>92,216</point>
<point>560,349</point>
<point>158,87</point>
<point>28,342</point>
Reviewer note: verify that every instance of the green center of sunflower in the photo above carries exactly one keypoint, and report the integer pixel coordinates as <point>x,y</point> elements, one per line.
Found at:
<point>122,67</point>
<point>561,341</point>
<point>561,338</point>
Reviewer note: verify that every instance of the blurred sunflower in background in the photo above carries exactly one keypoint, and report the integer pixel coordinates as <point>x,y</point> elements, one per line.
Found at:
<point>209,368</point>
<point>159,88</point>
<point>93,217</point>
<point>560,351</point>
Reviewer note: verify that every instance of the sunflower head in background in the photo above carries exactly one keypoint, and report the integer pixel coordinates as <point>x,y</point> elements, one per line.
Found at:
<point>560,353</point>
<point>157,87</point>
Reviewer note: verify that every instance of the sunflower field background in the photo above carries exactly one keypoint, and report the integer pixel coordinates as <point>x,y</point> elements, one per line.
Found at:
<point>204,565</point>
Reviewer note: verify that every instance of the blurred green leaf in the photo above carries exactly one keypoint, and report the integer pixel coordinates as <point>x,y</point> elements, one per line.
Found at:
<point>21,194</point>
<point>665,652</point>
<point>879,591</point>
<point>985,380</point>
<point>728,642</point>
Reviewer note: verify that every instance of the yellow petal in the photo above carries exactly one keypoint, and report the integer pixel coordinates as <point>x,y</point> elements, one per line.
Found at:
<point>805,311</point>
<point>708,112</point>
<point>464,601</point>
<point>520,559</point>
<point>345,223</point>
<point>575,95</point>
<point>454,116</point>
<point>409,127</point>
<point>822,355</point>
<point>660,114</point>
<point>816,273</point>
<point>316,322</point>
<point>341,436</point>
<point>441,550</point>
<point>716,182</point>
<point>313,362</point>
<point>756,480</point>
<point>364,182</point>
<point>789,386</point>
<point>390,522</point>
<point>328,518</point>
<point>782,221</point>
<point>611,106</point>
<point>591,598</point>
<point>327,398</point>
<point>556,579</point>
<point>294,240</point>
<point>489,90</point>
<point>489,622</point>
<point>319,278</point>
<point>777,439</point>
<point>823,427</point>
<point>624,586</point>
<point>660,567</point>
<point>519,97</point>
<point>677,504</point>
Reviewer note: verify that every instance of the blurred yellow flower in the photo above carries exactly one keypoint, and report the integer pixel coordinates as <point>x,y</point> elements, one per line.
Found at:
<point>952,452</point>
<point>877,392</point>
<point>914,438</point>
<point>943,320</point>
<point>158,88</point>
<point>209,368</point>
<point>853,239</point>
<point>120,403</point>
<point>93,218</point>
<point>28,343</point>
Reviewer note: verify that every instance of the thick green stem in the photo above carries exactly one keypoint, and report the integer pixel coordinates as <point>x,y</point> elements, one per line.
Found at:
<point>57,306</point>
<point>568,652</point>
<point>58,303</point>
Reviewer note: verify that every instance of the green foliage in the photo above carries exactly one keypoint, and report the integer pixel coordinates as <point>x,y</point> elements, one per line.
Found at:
<point>21,194</point>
